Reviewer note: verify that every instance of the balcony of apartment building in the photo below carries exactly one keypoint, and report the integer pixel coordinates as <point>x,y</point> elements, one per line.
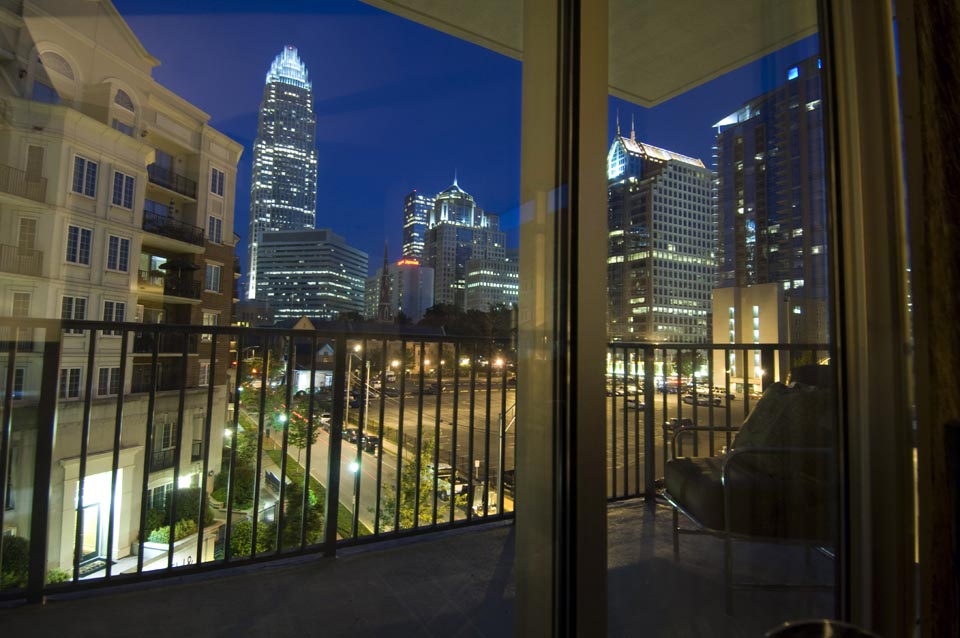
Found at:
<point>171,286</point>
<point>166,231</point>
<point>29,185</point>
<point>166,172</point>
<point>18,260</point>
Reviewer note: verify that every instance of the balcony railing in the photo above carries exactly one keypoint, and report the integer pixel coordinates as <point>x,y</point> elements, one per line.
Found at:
<point>394,434</point>
<point>169,342</point>
<point>161,460</point>
<point>21,261</point>
<point>171,180</point>
<point>168,284</point>
<point>15,181</point>
<point>172,228</point>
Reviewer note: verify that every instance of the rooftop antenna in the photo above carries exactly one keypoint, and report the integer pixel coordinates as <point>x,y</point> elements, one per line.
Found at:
<point>455,177</point>
<point>618,122</point>
<point>633,132</point>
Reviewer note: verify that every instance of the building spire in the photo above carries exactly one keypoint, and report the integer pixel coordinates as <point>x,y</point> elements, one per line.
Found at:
<point>633,132</point>
<point>383,311</point>
<point>618,122</point>
<point>455,177</point>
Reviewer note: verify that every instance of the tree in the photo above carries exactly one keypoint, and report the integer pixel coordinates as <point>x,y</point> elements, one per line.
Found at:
<point>293,517</point>
<point>300,434</point>
<point>402,319</point>
<point>409,480</point>
<point>688,362</point>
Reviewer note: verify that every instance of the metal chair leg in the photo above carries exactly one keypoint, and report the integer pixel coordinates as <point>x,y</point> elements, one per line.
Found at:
<point>676,535</point>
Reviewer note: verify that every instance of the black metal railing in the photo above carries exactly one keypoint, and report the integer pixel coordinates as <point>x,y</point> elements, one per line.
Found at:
<point>392,435</point>
<point>21,261</point>
<point>169,179</point>
<point>16,182</point>
<point>161,460</point>
<point>168,342</point>
<point>172,228</point>
<point>168,284</point>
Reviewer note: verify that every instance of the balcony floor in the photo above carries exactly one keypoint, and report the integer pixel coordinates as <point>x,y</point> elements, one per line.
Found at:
<point>459,583</point>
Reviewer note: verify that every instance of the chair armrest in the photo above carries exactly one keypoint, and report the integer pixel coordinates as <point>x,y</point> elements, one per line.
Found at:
<point>695,428</point>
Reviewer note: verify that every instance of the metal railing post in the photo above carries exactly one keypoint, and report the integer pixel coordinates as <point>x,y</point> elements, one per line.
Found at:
<point>46,424</point>
<point>333,453</point>
<point>649,429</point>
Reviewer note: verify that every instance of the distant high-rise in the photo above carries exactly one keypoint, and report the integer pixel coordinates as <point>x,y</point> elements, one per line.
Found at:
<point>661,259</point>
<point>416,212</point>
<point>312,273</point>
<point>408,290</point>
<point>283,189</point>
<point>459,231</point>
<point>771,209</point>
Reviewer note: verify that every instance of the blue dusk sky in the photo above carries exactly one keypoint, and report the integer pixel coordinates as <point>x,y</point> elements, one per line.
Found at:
<point>399,106</point>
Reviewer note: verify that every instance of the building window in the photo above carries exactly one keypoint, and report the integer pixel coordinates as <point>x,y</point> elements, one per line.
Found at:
<point>21,308</point>
<point>158,496</point>
<point>212,280</point>
<point>166,436</point>
<point>204,373</point>
<point>215,230</point>
<point>122,99</point>
<point>108,382</point>
<point>43,92</point>
<point>113,311</point>
<point>78,245</point>
<point>123,127</point>
<point>118,253</point>
<point>70,383</point>
<point>73,308</point>
<point>19,377</point>
<point>216,182</point>
<point>84,176</point>
<point>123,190</point>
<point>209,319</point>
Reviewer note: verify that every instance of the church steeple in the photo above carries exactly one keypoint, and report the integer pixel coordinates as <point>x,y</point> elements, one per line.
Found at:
<point>383,311</point>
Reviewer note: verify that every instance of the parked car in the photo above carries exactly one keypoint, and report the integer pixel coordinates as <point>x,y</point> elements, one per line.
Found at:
<point>370,443</point>
<point>351,435</point>
<point>702,399</point>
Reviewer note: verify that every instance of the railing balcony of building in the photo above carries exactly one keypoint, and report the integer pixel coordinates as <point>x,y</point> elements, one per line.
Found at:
<point>169,342</point>
<point>169,284</point>
<point>161,460</point>
<point>16,182</point>
<point>394,434</point>
<point>172,228</point>
<point>21,261</point>
<point>169,179</point>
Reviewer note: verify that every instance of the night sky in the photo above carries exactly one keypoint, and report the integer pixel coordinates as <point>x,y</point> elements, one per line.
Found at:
<point>399,106</point>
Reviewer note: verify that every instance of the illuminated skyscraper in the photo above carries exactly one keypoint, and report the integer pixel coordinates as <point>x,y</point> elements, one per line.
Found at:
<point>283,190</point>
<point>416,210</point>
<point>661,259</point>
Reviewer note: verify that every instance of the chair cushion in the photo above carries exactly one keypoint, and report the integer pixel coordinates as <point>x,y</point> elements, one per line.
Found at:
<point>694,483</point>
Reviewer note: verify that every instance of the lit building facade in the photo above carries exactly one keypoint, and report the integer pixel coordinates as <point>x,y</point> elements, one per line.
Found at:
<point>771,210</point>
<point>661,259</point>
<point>416,213</point>
<point>493,282</point>
<point>120,209</point>
<point>409,289</point>
<point>283,189</point>
<point>458,231</point>
<point>312,273</point>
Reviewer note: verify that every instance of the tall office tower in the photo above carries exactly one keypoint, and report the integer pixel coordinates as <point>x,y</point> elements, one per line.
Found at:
<point>416,213</point>
<point>493,282</point>
<point>283,189</point>
<point>661,258</point>
<point>771,186</point>
<point>457,231</point>
<point>118,207</point>
<point>771,208</point>
<point>311,273</point>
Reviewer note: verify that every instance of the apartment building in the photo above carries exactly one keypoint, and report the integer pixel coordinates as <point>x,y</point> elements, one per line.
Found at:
<point>116,204</point>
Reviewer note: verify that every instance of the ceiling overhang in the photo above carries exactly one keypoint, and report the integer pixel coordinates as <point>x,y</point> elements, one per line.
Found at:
<point>658,50</point>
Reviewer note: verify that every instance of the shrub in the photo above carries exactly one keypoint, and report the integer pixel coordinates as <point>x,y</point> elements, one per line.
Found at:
<point>156,517</point>
<point>16,562</point>
<point>241,536</point>
<point>57,575</point>
<point>183,528</point>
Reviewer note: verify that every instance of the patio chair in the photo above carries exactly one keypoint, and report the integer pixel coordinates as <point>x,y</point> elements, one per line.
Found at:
<point>775,483</point>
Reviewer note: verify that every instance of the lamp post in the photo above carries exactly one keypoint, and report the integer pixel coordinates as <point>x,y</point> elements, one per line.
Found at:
<point>346,409</point>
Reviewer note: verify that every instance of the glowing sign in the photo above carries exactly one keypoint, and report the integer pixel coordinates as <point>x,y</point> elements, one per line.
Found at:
<point>408,262</point>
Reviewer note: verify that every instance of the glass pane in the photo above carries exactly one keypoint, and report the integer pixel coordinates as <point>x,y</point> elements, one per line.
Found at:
<point>719,379</point>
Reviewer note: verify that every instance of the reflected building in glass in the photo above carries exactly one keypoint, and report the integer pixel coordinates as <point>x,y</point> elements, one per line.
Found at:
<point>661,249</point>
<point>283,189</point>
<point>772,274</point>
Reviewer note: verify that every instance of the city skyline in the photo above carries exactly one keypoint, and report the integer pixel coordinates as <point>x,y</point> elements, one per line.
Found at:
<point>375,107</point>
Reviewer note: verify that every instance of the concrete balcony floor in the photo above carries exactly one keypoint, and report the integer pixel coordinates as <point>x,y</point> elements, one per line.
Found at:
<point>458,583</point>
